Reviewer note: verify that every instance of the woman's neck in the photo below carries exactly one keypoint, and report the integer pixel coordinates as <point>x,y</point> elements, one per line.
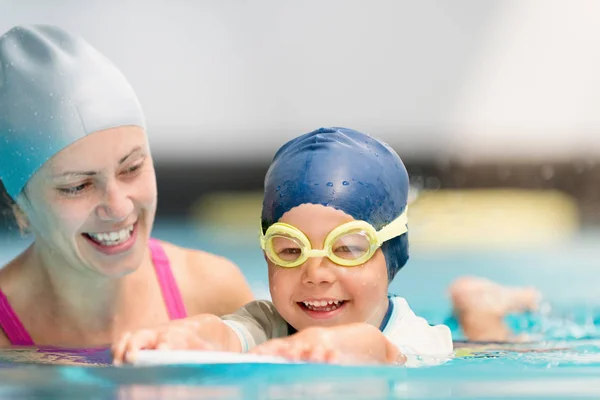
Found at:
<point>92,306</point>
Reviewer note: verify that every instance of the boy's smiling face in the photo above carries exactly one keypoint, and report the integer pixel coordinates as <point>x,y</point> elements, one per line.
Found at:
<point>320,292</point>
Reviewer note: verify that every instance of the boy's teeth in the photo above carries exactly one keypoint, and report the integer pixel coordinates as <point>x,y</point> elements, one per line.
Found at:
<point>322,305</point>
<point>112,238</point>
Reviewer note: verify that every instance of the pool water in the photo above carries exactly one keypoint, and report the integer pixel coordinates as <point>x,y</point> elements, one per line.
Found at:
<point>565,364</point>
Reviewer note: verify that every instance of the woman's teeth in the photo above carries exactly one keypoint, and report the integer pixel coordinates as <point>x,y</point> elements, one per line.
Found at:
<point>323,305</point>
<point>112,238</point>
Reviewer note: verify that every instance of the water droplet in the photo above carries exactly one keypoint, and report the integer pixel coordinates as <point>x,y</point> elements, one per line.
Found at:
<point>35,113</point>
<point>330,184</point>
<point>280,195</point>
<point>278,188</point>
<point>345,183</point>
<point>52,117</point>
<point>51,94</point>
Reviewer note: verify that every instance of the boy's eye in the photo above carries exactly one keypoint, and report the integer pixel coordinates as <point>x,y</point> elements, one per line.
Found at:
<point>351,246</point>
<point>289,253</point>
<point>349,249</point>
<point>283,244</point>
<point>350,252</point>
<point>290,250</point>
<point>344,249</point>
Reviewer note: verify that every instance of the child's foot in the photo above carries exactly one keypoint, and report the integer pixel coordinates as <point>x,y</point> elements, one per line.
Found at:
<point>471,294</point>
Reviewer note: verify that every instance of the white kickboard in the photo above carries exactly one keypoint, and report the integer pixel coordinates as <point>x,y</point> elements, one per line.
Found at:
<point>170,357</point>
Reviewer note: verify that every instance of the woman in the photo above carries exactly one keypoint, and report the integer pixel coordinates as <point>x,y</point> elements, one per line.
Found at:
<point>75,159</point>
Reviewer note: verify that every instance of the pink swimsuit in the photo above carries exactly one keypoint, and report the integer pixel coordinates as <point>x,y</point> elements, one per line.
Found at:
<point>18,335</point>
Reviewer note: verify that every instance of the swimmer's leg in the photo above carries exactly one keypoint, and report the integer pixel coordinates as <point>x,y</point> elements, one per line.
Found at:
<point>481,305</point>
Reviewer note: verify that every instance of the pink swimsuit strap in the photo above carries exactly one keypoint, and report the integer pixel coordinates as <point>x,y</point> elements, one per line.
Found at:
<point>11,324</point>
<point>166,279</point>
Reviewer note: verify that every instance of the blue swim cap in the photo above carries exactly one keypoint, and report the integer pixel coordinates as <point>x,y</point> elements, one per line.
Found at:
<point>344,169</point>
<point>54,89</point>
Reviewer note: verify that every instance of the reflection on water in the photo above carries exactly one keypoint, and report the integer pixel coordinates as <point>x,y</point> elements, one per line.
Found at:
<point>551,369</point>
<point>458,380</point>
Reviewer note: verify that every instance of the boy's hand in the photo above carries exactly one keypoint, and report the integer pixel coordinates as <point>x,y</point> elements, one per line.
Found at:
<point>325,345</point>
<point>300,347</point>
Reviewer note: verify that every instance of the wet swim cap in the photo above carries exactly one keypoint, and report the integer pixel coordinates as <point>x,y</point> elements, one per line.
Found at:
<point>54,89</point>
<point>346,170</point>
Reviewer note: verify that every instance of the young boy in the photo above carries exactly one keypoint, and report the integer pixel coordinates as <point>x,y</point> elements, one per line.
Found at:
<point>334,235</point>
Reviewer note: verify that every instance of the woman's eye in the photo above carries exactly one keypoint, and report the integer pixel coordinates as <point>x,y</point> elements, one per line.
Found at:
<point>73,189</point>
<point>133,169</point>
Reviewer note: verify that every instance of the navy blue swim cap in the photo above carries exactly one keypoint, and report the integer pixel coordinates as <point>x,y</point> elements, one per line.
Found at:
<point>344,169</point>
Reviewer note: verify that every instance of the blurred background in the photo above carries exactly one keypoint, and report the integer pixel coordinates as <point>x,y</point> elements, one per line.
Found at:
<point>493,106</point>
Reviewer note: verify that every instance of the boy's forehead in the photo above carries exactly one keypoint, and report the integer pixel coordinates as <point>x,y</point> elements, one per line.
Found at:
<point>315,218</point>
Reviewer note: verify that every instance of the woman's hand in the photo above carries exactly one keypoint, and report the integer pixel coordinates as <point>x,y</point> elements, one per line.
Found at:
<point>203,332</point>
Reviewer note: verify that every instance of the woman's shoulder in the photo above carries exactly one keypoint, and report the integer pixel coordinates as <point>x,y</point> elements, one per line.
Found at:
<point>208,282</point>
<point>198,262</point>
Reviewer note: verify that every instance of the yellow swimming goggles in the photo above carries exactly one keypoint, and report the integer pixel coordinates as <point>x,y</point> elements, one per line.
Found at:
<point>349,245</point>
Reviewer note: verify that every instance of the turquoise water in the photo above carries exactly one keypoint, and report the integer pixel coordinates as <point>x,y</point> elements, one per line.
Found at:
<point>566,364</point>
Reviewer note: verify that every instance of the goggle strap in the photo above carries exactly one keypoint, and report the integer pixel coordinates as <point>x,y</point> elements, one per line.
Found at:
<point>261,236</point>
<point>395,228</point>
